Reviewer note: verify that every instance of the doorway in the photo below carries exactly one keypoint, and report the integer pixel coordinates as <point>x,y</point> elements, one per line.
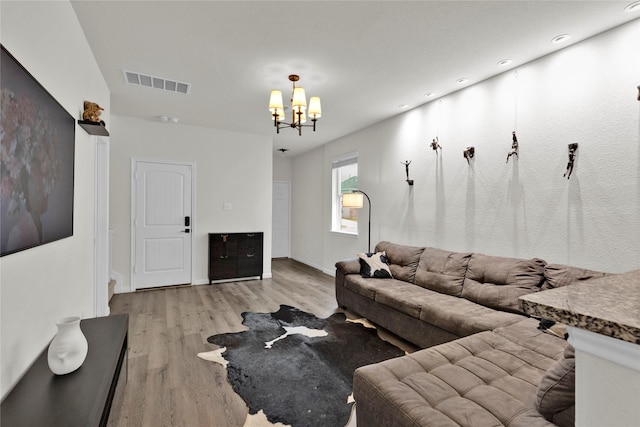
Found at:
<point>281,220</point>
<point>162,223</point>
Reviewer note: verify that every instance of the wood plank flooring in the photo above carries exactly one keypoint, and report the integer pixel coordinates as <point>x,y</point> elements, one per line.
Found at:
<point>168,385</point>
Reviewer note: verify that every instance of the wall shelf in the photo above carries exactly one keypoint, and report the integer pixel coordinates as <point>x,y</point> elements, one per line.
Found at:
<point>93,128</point>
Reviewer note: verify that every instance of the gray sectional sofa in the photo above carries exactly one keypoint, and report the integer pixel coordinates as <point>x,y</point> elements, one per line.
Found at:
<point>484,362</point>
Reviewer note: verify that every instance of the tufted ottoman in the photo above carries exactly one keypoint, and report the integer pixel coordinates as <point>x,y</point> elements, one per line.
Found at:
<point>487,379</point>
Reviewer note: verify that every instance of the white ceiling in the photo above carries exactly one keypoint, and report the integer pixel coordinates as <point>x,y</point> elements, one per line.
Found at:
<point>363,58</point>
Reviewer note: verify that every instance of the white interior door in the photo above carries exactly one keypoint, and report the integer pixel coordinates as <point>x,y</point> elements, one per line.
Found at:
<point>280,246</point>
<point>162,234</point>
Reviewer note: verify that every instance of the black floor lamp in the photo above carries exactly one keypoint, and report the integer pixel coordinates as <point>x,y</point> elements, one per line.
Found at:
<point>355,200</point>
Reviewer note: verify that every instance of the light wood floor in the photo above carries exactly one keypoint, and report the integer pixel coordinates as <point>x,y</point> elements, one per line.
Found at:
<point>168,385</point>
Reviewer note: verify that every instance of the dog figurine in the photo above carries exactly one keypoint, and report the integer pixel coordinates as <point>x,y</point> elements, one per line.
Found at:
<point>92,112</point>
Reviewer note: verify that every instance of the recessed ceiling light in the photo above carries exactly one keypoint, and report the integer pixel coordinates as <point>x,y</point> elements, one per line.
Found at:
<point>561,38</point>
<point>504,62</point>
<point>462,81</point>
<point>633,7</point>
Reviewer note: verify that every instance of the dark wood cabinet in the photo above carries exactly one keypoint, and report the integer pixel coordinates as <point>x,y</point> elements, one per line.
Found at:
<point>235,255</point>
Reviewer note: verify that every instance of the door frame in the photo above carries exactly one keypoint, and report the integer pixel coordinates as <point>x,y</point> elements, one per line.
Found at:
<point>134,162</point>
<point>101,273</point>
<point>289,216</point>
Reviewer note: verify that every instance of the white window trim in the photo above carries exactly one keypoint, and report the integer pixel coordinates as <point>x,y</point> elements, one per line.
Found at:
<point>336,202</point>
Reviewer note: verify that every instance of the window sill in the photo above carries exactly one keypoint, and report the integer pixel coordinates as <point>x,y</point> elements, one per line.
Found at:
<point>344,234</point>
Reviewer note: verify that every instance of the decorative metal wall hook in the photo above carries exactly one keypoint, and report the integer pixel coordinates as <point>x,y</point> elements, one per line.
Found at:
<point>435,144</point>
<point>514,146</point>
<point>572,157</point>
<point>468,153</point>
<point>406,164</point>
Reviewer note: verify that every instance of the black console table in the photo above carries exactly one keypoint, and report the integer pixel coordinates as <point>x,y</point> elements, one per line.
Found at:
<point>83,397</point>
<point>235,255</point>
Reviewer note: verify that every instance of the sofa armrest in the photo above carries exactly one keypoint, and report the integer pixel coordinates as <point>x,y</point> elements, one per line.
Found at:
<point>348,266</point>
<point>344,268</point>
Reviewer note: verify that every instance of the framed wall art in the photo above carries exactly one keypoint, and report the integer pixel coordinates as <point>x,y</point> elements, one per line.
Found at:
<point>37,148</point>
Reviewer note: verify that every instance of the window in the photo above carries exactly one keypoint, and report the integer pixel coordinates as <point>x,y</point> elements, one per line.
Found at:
<point>344,180</point>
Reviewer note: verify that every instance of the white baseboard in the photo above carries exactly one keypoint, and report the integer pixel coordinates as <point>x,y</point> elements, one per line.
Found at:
<point>317,267</point>
<point>206,281</point>
<point>329,272</point>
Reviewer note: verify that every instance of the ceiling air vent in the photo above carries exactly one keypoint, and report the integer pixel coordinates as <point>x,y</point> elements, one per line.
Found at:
<point>155,82</point>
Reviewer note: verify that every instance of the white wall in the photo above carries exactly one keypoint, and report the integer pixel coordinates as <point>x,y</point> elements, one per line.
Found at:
<point>282,168</point>
<point>231,168</point>
<point>308,208</point>
<point>585,93</point>
<point>41,285</point>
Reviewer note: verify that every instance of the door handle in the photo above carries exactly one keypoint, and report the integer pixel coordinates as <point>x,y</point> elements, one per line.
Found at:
<point>186,230</point>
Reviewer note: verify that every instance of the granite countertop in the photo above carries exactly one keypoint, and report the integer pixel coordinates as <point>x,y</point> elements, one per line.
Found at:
<point>609,305</point>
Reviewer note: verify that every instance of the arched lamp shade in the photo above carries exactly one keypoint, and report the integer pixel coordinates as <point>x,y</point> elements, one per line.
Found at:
<point>353,200</point>
<point>356,200</point>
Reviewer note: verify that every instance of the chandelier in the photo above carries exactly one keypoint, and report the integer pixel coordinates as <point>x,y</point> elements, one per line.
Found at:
<point>299,110</point>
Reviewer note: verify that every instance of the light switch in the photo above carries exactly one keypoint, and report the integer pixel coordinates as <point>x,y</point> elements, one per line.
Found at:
<point>227,206</point>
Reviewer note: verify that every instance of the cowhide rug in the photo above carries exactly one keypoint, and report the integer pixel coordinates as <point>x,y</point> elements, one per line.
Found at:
<point>296,368</point>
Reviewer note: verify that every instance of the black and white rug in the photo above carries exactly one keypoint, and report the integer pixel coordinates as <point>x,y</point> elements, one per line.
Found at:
<point>296,368</point>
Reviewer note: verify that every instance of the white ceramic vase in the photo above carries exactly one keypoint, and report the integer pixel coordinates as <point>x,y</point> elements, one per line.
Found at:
<point>69,347</point>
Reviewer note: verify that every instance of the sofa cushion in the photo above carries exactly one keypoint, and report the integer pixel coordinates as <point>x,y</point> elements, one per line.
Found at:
<point>407,298</point>
<point>368,288</point>
<point>458,316</point>
<point>483,379</point>
<point>374,265</point>
<point>558,275</point>
<point>497,282</point>
<point>403,259</point>
<point>526,334</point>
<point>442,271</point>
<point>555,398</point>
<point>463,317</point>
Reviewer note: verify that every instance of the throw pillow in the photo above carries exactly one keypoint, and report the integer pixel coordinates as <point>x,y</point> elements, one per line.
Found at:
<point>374,265</point>
<point>555,398</point>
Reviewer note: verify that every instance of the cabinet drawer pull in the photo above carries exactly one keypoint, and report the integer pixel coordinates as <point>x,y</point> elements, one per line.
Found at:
<point>224,256</point>
<point>250,255</point>
<point>250,235</point>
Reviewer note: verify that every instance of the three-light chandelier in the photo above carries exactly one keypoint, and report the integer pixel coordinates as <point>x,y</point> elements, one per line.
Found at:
<point>299,110</point>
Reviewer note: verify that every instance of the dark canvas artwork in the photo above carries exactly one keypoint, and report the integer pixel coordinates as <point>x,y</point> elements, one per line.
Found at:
<point>300,380</point>
<point>37,148</point>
